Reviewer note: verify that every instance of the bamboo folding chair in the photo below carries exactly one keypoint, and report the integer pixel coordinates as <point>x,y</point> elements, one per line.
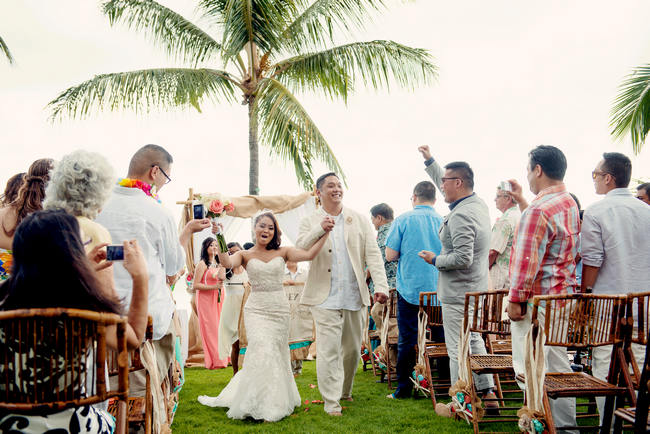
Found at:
<point>434,349</point>
<point>140,408</point>
<point>637,317</point>
<point>637,416</point>
<point>583,321</point>
<point>391,341</point>
<point>49,355</point>
<point>487,319</point>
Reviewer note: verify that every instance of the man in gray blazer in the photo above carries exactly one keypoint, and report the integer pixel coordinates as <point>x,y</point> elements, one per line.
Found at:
<point>463,260</point>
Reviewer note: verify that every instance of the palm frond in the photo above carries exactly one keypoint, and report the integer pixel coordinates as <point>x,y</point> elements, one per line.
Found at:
<point>290,133</point>
<point>181,39</point>
<point>314,27</point>
<point>374,63</point>
<point>5,49</point>
<point>631,111</point>
<point>142,91</point>
<point>244,21</point>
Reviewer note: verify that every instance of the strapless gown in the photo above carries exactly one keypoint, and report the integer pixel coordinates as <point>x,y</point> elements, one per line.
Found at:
<point>264,388</point>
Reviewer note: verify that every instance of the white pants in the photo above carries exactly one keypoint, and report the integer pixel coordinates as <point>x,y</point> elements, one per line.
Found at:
<point>338,333</point>
<point>452,323</point>
<point>563,409</point>
<point>600,360</point>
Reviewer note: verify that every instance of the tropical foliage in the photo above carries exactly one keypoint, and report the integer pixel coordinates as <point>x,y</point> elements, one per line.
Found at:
<point>5,50</point>
<point>631,111</point>
<point>267,51</point>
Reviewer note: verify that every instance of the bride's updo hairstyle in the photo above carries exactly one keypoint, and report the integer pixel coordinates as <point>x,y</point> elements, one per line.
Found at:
<point>275,242</point>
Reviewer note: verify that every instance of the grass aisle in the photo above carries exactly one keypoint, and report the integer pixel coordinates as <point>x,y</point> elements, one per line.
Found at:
<point>370,411</point>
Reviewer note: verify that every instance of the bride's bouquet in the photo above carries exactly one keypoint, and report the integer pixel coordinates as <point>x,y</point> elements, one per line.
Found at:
<point>216,205</point>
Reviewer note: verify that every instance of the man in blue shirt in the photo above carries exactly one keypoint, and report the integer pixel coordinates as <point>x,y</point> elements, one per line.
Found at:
<point>412,232</point>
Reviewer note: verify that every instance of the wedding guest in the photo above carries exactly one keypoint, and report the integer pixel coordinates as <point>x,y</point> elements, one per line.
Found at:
<point>301,325</point>
<point>208,284</point>
<point>543,260</point>
<point>28,200</point>
<point>229,319</point>
<point>382,219</point>
<point>463,260</point>
<point>411,233</point>
<point>615,246</point>
<point>134,212</point>
<point>57,233</point>
<point>579,256</point>
<point>643,192</point>
<point>11,189</point>
<point>502,234</point>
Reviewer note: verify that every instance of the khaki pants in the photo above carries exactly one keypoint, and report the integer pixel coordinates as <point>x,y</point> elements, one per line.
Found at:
<point>338,333</point>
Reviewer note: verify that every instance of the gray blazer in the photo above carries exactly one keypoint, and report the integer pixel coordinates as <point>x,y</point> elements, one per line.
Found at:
<point>465,236</point>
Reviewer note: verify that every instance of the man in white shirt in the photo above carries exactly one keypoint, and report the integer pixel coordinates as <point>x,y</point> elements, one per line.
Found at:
<point>134,212</point>
<point>336,288</point>
<point>615,245</point>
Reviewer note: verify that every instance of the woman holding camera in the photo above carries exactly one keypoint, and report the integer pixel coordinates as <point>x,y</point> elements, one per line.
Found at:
<point>208,284</point>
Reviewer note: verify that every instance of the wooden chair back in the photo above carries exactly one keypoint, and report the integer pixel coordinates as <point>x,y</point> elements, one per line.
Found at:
<point>391,305</point>
<point>430,304</point>
<point>484,312</point>
<point>638,315</point>
<point>135,361</point>
<point>643,396</point>
<point>53,359</point>
<point>580,321</point>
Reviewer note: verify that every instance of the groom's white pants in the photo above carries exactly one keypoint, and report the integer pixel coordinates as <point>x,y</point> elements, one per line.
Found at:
<point>338,336</point>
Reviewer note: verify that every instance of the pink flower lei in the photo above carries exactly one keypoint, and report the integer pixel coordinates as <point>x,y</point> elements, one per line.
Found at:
<point>141,185</point>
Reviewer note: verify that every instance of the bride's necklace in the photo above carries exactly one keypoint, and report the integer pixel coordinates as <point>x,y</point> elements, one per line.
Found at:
<point>147,189</point>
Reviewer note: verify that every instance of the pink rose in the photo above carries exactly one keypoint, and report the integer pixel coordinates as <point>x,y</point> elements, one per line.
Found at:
<point>230,207</point>
<point>216,206</point>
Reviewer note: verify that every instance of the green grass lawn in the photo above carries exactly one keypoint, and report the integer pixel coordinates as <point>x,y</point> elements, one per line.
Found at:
<point>370,411</point>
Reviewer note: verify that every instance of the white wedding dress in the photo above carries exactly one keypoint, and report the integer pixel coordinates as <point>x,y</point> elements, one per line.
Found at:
<point>264,388</point>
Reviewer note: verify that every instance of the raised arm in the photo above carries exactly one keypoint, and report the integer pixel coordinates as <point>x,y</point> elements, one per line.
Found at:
<point>229,261</point>
<point>433,169</point>
<point>297,254</point>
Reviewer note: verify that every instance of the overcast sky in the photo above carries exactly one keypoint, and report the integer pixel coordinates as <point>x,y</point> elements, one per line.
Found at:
<point>512,75</point>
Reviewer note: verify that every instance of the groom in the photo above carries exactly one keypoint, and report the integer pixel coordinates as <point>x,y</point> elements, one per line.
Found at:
<point>336,288</point>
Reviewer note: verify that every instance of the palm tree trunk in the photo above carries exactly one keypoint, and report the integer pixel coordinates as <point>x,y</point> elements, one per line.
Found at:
<point>253,148</point>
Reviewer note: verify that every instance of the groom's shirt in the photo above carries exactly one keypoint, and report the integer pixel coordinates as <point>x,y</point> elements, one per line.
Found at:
<point>344,289</point>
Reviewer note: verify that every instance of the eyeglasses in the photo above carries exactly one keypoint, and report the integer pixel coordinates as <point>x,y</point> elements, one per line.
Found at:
<point>443,179</point>
<point>163,172</point>
<point>596,173</point>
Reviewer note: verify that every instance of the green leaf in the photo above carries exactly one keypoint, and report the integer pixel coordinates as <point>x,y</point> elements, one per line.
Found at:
<point>290,133</point>
<point>631,111</point>
<point>143,90</point>
<point>181,39</point>
<point>373,63</point>
<point>314,27</point>
<point>5,49</point>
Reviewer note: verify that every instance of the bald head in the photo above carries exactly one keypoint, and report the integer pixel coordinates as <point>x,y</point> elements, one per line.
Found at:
<point>147,157</point>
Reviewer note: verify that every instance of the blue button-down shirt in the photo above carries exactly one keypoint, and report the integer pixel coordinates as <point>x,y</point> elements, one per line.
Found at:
<point>410,233</point>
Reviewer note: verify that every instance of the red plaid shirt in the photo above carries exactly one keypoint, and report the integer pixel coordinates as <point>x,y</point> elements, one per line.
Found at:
<point>546,244</point>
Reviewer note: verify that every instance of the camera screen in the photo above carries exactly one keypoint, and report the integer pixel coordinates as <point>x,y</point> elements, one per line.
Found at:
<point>114,253</point>
<point>198,212</point>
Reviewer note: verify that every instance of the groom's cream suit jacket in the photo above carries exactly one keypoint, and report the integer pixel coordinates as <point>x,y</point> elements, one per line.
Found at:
<point>362,248</point>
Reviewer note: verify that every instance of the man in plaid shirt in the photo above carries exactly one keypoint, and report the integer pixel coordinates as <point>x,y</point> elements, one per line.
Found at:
<point>543,260</point>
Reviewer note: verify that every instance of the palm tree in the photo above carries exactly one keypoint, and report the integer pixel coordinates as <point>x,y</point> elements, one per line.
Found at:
<point>631,111</point>
<point>5,49</point>
<point>267,50</point>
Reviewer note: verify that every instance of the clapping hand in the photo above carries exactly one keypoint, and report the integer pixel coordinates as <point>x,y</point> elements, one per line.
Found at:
<point>427,256</point>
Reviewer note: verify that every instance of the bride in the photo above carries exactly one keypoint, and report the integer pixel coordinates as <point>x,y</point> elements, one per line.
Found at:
<point>264,388</point>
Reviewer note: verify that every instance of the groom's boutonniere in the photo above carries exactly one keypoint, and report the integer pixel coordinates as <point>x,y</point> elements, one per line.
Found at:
<point>348,220</point>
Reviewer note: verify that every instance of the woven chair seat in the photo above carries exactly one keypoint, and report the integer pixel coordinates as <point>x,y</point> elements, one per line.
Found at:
<point>502,347</point>
<point>490,363</point>
<point>436,349</point>
<point>136,408</point>
<point>560,385</point>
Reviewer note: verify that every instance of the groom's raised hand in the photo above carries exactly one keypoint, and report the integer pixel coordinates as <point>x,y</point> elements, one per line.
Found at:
<point>327,224</point>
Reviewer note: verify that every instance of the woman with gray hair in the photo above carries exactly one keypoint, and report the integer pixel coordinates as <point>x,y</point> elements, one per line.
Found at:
<point>80,184</point>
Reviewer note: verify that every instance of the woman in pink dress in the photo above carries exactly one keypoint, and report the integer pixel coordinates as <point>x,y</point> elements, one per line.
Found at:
<point>208,283</point>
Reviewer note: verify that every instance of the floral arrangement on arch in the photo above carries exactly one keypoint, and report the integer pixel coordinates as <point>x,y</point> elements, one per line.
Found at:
<point>215,206</point>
